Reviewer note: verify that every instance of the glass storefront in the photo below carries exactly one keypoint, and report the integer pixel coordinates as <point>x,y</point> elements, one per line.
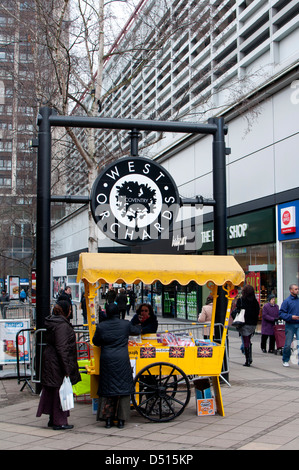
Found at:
<point>260,267</point>
<point>290,270</point>
<point>175,300</point>
<point>251,239</point>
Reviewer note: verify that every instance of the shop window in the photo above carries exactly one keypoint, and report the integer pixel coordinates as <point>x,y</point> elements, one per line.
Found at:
<point>290,262</point>
<point>259,265</point>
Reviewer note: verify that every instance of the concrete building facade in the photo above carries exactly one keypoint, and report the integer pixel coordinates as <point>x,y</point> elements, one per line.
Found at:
<point>236,59</point>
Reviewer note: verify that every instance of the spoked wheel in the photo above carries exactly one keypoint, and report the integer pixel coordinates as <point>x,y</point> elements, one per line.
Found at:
<point>162,391</point>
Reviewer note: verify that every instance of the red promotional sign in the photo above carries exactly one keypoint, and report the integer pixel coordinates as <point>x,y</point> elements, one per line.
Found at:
<point>288,219</point>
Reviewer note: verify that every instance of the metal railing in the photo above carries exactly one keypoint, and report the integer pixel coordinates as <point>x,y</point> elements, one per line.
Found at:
<point>37,345</point>
<point>13,310</point>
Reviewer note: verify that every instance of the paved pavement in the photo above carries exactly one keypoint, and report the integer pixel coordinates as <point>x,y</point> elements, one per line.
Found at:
<point>261,413</point>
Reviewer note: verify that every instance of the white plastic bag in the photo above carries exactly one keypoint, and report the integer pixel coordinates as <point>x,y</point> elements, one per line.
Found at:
<point>66,395</point>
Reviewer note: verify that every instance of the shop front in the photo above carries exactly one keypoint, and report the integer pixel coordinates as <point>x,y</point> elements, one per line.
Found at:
<point>251,239</point>
<point>288,246</point>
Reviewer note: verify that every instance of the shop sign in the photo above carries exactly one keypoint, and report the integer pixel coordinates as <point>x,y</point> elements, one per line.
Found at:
<point>243,230</point>
<point>254,280</point>
<point>288,219</point>
<point>134,201</point>
<point>287,216</point>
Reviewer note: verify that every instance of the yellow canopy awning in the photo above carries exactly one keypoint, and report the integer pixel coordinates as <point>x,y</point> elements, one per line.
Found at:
<point>132,268</point>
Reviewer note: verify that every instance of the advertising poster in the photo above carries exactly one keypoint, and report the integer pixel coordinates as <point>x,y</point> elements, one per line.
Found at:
<point>33,288</point>
<point>14,287</point>
<point>254,279</point>
<point>8,347</point>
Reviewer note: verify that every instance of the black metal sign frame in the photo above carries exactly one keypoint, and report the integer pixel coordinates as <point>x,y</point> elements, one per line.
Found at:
<point>47,119</point>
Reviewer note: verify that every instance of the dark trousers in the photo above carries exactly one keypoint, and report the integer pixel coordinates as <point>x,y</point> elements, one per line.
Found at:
<point>49,404</point>
<point>271,342</point>
<point>122,313</point>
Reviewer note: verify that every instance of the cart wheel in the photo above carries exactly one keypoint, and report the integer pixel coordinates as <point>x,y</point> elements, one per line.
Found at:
<point>162,391</point>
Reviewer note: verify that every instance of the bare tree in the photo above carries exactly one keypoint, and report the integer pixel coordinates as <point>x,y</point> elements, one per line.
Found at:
<point>72,41</point>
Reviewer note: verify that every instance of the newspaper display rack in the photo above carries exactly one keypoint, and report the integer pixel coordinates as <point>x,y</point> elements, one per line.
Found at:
<point>163,362</point>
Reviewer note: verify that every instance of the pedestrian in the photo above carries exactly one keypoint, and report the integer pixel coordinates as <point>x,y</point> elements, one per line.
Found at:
<point>116,378</point>
<point>248,302</point>
<point>132,298</point>
<point>110,296</point>
<point>270,314</point>
<point>205,315</point>
<point>121,302</point>
<point>59,360</point>
<point>83,307</point>
<point>289,312</point>
<point>4,299</point>
<point>23,295</point>
<point>146,318</point>
<point>66,294</point>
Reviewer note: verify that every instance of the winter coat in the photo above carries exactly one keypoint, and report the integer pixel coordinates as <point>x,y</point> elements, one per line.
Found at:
<point>206,313</point>
<point>269,315</point>
<point>110,296</point>
<point>205,316</point>
<point>150,325</point>
<point>116,376</point>
<point>121,301</point>
<point>288,308</point>
<point>60,354</point>
<point>252,310</point>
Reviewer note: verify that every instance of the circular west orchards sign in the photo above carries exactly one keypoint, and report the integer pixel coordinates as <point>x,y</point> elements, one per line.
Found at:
<point>134,201</point>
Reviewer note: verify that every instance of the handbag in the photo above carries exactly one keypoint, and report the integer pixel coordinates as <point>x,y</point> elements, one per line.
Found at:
<point>239,318</point>
<point>66,395</point>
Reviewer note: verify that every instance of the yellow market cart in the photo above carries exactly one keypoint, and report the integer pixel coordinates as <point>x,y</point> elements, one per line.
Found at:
<point>162,363</point>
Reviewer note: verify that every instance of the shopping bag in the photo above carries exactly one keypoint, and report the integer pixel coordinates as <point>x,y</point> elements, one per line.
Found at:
<point>66,395</point>
<point>239,318</point>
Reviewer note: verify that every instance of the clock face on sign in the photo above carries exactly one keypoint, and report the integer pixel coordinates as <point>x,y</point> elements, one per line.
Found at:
<point>134,201</point>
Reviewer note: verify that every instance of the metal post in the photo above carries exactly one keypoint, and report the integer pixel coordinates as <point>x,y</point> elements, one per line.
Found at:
<point>134,134</point>
<point>219,185</point>
<point>220,214</point>
<point>43,218</point>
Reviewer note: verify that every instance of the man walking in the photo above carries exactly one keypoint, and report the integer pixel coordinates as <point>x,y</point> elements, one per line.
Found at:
<point>289,312</point>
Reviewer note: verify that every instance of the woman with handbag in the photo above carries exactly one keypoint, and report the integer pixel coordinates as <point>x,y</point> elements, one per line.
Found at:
<point>248,302</point>
<point>59,361</point>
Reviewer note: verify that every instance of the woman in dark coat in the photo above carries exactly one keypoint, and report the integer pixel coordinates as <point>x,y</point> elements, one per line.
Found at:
<point>59,361</point>
<point>252,308</point>
<point>121,301</point>
<point>116,378</point>
<point>269,315</point>
<point>146,318</point>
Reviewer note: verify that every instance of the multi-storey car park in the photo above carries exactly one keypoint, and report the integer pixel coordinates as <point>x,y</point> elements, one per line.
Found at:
<point>235,59</point>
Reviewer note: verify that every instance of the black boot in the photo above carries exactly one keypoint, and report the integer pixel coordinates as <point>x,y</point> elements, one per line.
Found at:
<point>109,423</point>
<point>121,423</point>
<point>250,353</point>
<point>247,355</point>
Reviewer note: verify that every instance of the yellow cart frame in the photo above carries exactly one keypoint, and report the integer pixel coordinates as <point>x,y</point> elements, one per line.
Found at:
<point>152,358</point>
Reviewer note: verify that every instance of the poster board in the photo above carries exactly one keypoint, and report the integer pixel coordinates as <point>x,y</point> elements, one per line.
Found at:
<point>8,347</point>
<point>14,287</point>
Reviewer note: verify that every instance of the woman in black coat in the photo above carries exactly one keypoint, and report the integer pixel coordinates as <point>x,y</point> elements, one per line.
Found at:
<point>146,318</point>
<point>59,361</point>
<point>121,301</point>
<point>252,308</point>
<point>116,378</point>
